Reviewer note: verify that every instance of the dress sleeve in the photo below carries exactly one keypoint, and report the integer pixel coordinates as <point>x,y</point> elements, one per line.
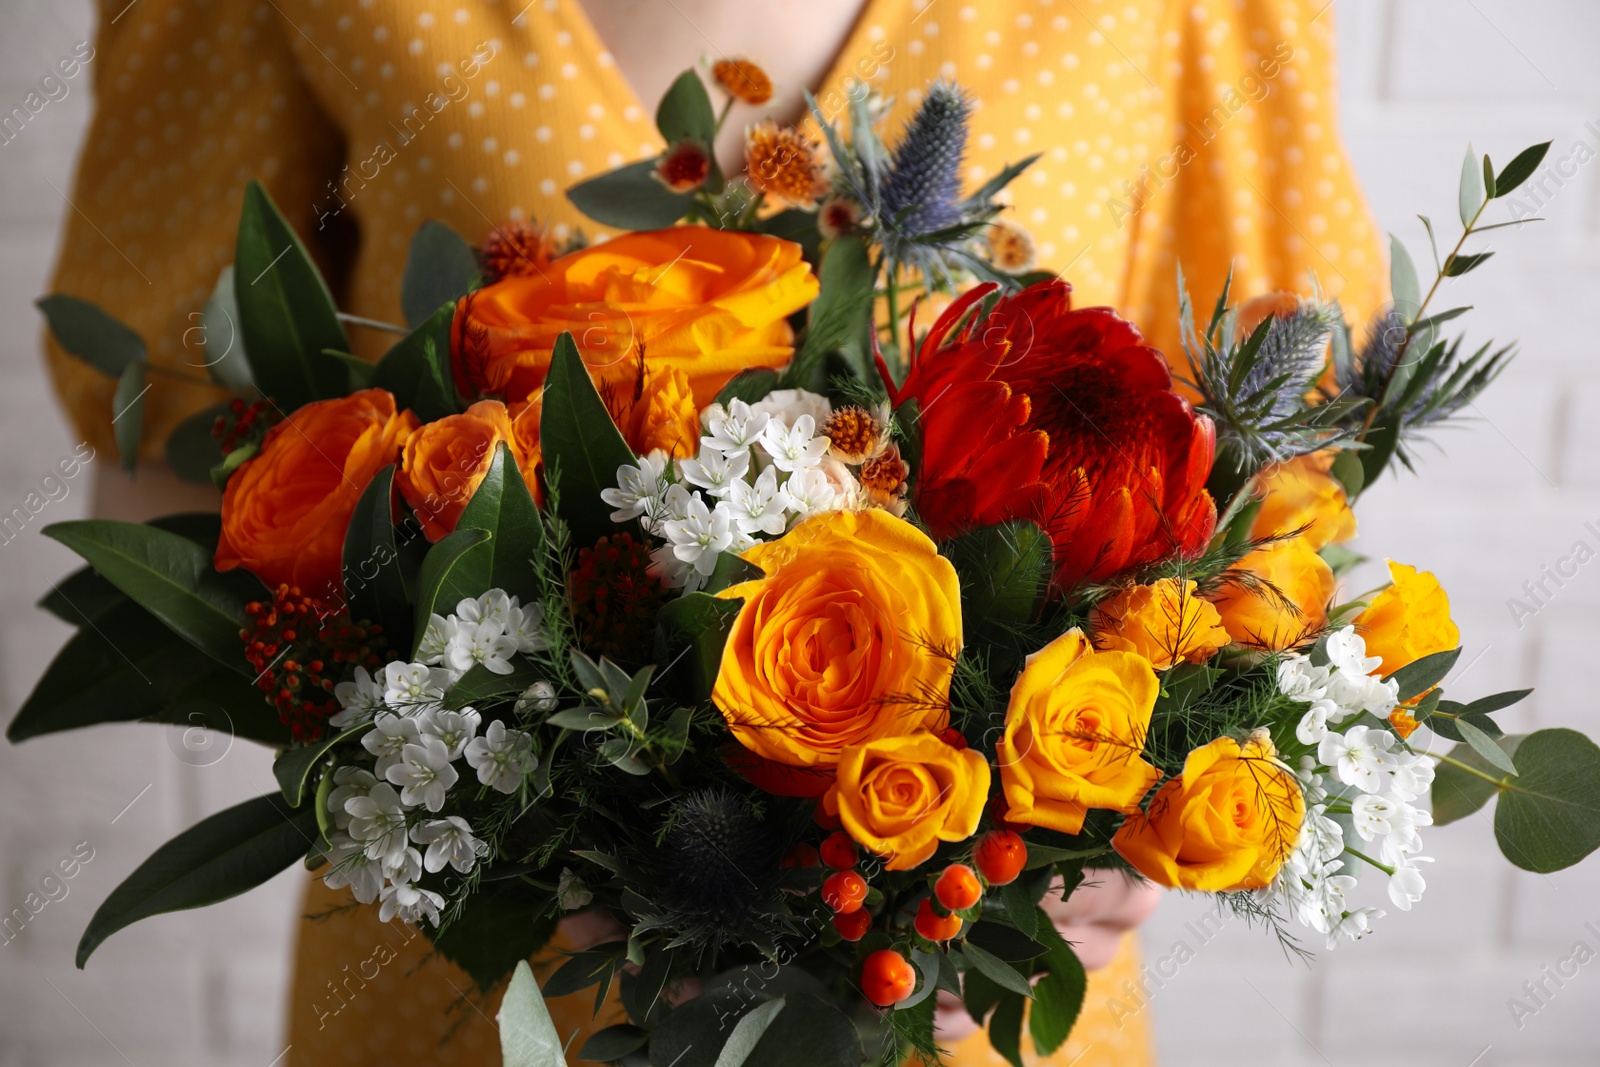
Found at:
<point>1256,177</point>
<point>190,102</point>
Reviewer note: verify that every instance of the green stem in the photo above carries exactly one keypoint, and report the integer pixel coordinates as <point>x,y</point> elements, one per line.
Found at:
<point>1499,783</point>
<point>727,106</point>
<point>749,213</point>
<point>1384,867</point>
<point>891,287</point>
<point>372,324</point>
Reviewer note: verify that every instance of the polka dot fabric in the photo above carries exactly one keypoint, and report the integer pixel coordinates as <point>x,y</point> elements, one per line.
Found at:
<point>1202,132</point>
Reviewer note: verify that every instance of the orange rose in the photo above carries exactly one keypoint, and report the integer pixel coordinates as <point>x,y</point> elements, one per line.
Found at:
<point>851,636</point>
<point>1278,596</point>
<point>1228,822</point>
<point>657,411</point>
<point>445,461</point>
<point>901,796</point>
<point>1166,622</point>
<point>285,511</point>
<point>1075,728</point>
<point>1408,620</point>
<point>710,303</point>
<point>1300,493</point>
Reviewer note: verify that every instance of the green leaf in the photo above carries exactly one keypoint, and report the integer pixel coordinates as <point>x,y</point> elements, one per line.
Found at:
<point>841,313</point>
<point>416,369</point>
<point>1381,441</point>
<point>358,371</point>
<point>1455,266</point>
<point>1046,856</point>
<point>87,332</point>
<point>1004,941</point>
<point>127,412</point>
<point>685,112</point>
<point>226,703</point>
<point>996,969</point>
<point>191,450</point>
<point>1005,571</point>
<point>374,587</point>
<point>1469,197</point>
<point>441,560</point>
<point>226,361</point>
<point>501,506</point>
<point>171,577</point>
<point>1403,281</point>
<point>219,857</point>
<point>1487,705</point>
<point>1419,676</point>
<point>293,768</point>
<point>1347,469</point>
<point>577,436</point>
<point>480,685</point>
<point>927,965</point>
<point>1488,176</point>
<point>1549,818</point>
<point>750,385</point>
<point>81,597</point>
<point>230,463</point>
<point>1058,998</point>
<point>528,1037</point>
<point>440,269</point>
<point>806,1033</point>
<point>286,314</point>
<point>613,1043</point>
<point>1020,908</point>
<point>1005,1029</point>
<point>492,933</point>
<point>1457,792</point>
<point>748,1031</point>
<point>690,634</point>
<point>630,198</point>
<point>1485,746</point>
<point>692,1034</point>
<point>1520,169</point>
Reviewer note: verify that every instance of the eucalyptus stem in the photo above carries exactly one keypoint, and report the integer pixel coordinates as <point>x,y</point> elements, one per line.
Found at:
<point>1500,783</point>
<point>371,324</point>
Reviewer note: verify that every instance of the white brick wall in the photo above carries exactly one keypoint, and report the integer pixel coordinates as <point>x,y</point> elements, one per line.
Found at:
<point>1420,78</point>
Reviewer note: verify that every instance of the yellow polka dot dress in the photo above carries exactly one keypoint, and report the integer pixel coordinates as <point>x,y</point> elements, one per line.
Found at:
<point>1197,132</point>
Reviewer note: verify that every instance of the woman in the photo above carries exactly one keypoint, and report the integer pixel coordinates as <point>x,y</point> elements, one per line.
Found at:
<point>1199,131</point>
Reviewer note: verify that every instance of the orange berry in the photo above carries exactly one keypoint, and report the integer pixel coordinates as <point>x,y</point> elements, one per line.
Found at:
<point>801,855</point>
<point>887,977</point>
<point>844,892</point>
<point>853,925</point>
<point>838,851</point>
<point>1001,856</point>
<point>933,926</point>
<point>958,887</point>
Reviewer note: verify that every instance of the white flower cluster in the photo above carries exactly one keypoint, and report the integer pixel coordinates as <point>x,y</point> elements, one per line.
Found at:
<point>761,468</point>
<point>380,815</point>
<point>1378,782</point>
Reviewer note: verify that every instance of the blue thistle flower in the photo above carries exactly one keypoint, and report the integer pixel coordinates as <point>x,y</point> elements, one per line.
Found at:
<point>922,195</point>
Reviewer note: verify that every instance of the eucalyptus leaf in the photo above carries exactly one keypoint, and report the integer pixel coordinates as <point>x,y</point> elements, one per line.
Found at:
<point>1403,284</point>
<point>226,361</point>
<point>1520,168</point>
<point>1457,792</point>
<point>1549,818</point>
<point>1469,196</point>
<point>88,332</point>
<point>630,198</point>
<point>1485,746</point>
<point>528,1036</point>
<point>685,112</point>
<point>127,412</point>
<point>1419,676</point>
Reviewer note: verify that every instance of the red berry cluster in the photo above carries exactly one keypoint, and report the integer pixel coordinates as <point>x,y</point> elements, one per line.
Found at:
<point>243,423</point>
<point>299,651</point>
<point>614,597</point>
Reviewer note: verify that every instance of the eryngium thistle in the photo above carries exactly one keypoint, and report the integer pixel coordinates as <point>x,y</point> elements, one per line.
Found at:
<point>716,871</point>
<point>923,193</point>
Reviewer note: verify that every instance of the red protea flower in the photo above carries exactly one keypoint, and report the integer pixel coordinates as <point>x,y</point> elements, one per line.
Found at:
<point>1064,417</point>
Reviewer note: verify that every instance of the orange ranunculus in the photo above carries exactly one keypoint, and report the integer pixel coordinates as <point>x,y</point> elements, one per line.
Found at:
<point>1227,822</point>
<point>850,636</point>
<point>1408,620</point>
<point>285,511</point>
<point>710,303</point>
<point>1166,622</point>
<point>1279,304</point>
<point>1300,493</point>
<point>656,410</point>
<point>445,460</point>
<point>1277,596</point>
<point>901,796</point>
<point>1075,729</point>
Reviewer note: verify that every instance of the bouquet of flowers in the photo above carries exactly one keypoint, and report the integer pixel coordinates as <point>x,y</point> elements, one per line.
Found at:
<point>667,576</point>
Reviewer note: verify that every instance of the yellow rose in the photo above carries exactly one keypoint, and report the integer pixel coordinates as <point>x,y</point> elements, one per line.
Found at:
<point>1408,620</point>
<point>900,796</point>
<point>851,636</point>
<point>1166,622</point>
<point>1302,492</point>
<point>1228,822</point>
<point>1075,728</point>
<point>1295,606</point>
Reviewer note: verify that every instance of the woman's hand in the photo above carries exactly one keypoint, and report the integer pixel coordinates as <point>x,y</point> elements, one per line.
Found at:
<point>1093,919</point>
